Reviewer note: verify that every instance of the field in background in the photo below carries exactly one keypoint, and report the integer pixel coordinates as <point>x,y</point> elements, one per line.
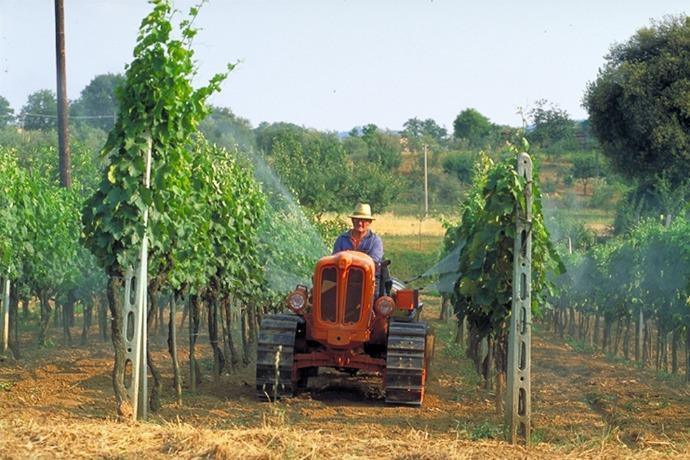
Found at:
<point>564,198</point>
<point>401,224</point>
<point>395,224</point>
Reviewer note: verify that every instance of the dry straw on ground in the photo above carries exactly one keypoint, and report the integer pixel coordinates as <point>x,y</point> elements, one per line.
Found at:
<point>58,403</point>
<point>274,440</point>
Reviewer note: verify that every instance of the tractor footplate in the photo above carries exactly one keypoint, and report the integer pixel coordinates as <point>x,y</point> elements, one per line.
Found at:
<point>406,363</point>
<point>275,356</point>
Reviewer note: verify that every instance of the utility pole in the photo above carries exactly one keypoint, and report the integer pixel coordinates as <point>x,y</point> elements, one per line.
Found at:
<point>426,184</point>
<point>63,129</point>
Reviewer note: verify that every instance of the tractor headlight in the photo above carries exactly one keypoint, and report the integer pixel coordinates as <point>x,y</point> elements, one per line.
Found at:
<point>297,299</point>
<point>384,306</point>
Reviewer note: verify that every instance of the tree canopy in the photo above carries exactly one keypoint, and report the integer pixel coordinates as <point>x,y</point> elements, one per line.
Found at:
<point>225,128</point>
<point>585,168</point>
<point>327,174</point>
<point>424,130</point>
<point>383,148</point>
<point>40,111</point>
<point>472,126</point>
<point>313,166</point>
<point>6,112</point>
<point>97,103</point>
<point>550,125</point>
<point>639,104</point>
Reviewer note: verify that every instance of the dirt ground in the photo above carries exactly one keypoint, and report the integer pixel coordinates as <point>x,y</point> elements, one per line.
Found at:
<point>58,403</point>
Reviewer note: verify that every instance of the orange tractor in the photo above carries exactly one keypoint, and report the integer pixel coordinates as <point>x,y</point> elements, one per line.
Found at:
<point>343,324</point>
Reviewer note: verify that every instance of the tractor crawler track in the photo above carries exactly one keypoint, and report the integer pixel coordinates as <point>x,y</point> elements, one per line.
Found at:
<point>275,356</point>
<point>406,363</point>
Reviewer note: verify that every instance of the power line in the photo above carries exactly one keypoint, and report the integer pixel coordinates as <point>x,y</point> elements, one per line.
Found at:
<point>48,115</point>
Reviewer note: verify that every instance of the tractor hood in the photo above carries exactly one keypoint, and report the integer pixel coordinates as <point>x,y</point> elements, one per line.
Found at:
<point>343,299</point>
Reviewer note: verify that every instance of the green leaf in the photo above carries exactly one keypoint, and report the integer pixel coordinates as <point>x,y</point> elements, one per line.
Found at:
<point>111,174</point>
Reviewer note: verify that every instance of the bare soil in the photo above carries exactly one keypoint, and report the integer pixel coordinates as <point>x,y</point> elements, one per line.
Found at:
<point>58,403</point>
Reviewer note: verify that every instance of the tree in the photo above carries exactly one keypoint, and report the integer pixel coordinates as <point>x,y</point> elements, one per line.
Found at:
<point>40,111</point>
<point>550,125</point>
<point>459,164</point>
<point>6,112</point>
<point>97,102</point>
<point>638,104</point>
<point>370,183</point>
<point>383,147</point>
<point>584,136</point>
<point>225,128</point>
<point>313,166</point>
<point>472,126</point>
<point>423,130</point>
<point>268,133</point>
<point>356,148</point>
<point>327,174</point>
<point>584,168</point>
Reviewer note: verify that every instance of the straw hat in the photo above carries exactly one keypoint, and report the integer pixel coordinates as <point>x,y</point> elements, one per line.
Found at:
<point>362,211</point>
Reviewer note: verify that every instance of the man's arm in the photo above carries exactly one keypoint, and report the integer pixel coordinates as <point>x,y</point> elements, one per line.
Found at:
<point>376,252</point>
<point>339,244</point>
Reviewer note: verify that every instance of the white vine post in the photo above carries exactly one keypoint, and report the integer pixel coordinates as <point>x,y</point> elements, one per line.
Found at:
<point>135,314</point>
<point>518,394</point>
<point>5,314</point>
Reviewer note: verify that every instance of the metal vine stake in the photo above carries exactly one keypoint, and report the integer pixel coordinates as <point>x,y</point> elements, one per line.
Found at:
<point>518,394</point>
<point>135,339</point>
<point>5,314</point>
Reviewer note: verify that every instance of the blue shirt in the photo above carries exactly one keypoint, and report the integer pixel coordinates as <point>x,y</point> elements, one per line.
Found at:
<point>371,245</point>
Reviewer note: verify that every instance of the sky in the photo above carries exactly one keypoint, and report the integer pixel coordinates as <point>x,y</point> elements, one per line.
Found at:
<point>333,65</point>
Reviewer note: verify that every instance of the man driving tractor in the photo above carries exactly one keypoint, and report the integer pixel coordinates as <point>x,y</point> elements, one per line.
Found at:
<point>359,237</point>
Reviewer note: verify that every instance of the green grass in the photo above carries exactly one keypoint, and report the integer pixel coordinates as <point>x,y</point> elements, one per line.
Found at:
<point>581,214</point>
<point>590,214</point>
<point>6,386</point>
<point>411,256</point>
<point>445,333</point>
<point>566,157</point>
<point>479,431</point>
<point>537,436</point>
<point>629,406</point>
<point>580,346</point>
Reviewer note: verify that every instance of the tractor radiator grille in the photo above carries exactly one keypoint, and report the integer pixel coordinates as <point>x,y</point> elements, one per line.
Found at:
<point>329,294</point>
<point>353,297</point>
